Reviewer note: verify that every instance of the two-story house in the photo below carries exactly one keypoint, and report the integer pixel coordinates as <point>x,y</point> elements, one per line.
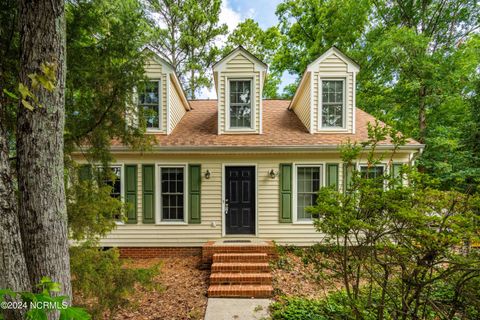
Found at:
<point>239,167</point>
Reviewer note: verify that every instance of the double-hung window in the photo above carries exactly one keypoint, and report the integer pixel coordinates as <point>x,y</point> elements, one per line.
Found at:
<point>373,172</point>
<point>333,104</point>
<point>172,193</point>
<point>308,183</point>
<point>149,102</point>
<point>240,104</point>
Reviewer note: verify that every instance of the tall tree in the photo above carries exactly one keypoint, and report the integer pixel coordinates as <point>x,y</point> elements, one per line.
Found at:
<point>13,268</point>
<point>263,44</point>
<point>105,39</point>
<point>42,206</point>
<point>186,31</point>
<point>310,27</point>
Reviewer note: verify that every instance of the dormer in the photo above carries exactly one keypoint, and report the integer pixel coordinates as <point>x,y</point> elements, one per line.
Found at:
<point>162,100</point>
<point>325,98</point>
<point>239,79</point>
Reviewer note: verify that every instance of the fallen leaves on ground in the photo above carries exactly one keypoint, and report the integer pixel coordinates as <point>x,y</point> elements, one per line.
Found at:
<point>292,277</point>
<point>184,293</point>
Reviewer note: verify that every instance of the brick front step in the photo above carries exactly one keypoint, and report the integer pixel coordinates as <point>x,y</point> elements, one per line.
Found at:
<point>245,267</point>
<point>240,257</point>
<point>240,278</point>
<point>240,291</point>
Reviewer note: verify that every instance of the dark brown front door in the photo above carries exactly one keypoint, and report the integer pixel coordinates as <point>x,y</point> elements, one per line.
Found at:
<point>240,200</point>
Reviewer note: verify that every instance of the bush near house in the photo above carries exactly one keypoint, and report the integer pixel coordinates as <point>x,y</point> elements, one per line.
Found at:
<point>102,283</point>
<point>399,245</point>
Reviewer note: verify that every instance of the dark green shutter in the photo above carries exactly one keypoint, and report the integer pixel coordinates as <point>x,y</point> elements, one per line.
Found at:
<point>347,176</point>
<point>194,186</point>
<point>148,192</point>
<point>332,175</point>
<point>131,192</point>
<point>285,193</point>
<point>85,172</point>
<point>396,173</point>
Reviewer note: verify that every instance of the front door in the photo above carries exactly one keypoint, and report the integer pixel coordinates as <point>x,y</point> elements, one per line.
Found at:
<point>240,200</point>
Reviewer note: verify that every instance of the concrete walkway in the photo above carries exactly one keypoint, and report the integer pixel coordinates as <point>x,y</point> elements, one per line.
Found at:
<point>237,309</point>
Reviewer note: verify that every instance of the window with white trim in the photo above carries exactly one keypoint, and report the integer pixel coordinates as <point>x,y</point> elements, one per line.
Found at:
<point>149,102</point>
<point>309,181</point>
<point>172,193</point>
<point>375,172</point>
<point>333,104</point>
<point>240,108</point>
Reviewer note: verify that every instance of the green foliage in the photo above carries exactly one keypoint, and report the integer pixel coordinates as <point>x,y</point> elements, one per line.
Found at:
<point>419,68</point>
<point>92,210</point>
<point>105,63</point>
<point>103,283</point>
<point>42,304</point>
<point>397,242</point>
<point>184,35</point>
<point>261,43</point>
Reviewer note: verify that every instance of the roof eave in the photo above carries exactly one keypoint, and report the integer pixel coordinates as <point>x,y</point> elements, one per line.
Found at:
<point>259,149</point>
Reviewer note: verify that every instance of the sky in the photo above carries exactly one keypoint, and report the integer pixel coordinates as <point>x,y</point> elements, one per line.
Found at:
<point>235,11</point>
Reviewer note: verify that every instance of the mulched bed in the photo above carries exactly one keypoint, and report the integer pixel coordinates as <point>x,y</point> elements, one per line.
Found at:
<point>184,294</point>
<point>292,277</point>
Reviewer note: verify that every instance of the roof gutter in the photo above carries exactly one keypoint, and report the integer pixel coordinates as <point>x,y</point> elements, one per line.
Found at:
<point>257,149</point>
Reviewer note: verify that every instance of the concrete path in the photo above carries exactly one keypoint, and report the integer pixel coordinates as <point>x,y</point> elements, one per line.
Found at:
<point>237,309</point>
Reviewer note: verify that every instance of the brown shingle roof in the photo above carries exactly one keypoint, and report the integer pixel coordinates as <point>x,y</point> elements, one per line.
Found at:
<point>281,128</point>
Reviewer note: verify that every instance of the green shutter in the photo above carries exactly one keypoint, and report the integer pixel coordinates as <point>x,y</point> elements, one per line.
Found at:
<point>148,192</point>
<point>131,192</point>
<point>285,193</point>
<point>194,186</point>
<point>396,173</point>
<point>85,172</point>
<point>347,176</point>
<point>332,175</point>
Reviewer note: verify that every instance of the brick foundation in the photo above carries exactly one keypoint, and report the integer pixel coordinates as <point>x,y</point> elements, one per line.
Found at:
<point>159,252</point>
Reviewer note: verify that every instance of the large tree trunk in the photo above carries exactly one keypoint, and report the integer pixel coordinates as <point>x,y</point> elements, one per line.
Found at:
<point>13,270</point>
<point>42,206</point>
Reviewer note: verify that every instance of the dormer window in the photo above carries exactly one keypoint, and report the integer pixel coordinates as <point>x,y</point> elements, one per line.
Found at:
<point>333,104</point>
<point>149,103</point>
<point>240,104</point>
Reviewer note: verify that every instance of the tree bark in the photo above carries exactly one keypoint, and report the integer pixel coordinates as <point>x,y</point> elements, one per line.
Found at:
<point>42,204</point>
<point>13,269</point>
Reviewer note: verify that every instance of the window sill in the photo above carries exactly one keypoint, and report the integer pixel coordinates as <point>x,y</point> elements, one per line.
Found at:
<point>147,131</point>
<point>303,222</point>
<point>333,130</point>
<point>172,223</point>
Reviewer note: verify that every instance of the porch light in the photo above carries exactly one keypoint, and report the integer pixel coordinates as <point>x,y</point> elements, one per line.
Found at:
<point>207,174</point>
<point>272,174</point>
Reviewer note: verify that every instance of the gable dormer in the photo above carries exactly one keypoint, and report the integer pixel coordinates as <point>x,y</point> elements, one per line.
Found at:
<point>162,96</point>
<point>325,98</point>
<point>239,79</point>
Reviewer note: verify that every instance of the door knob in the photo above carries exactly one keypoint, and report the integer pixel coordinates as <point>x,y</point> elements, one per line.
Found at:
<point>226,206</point>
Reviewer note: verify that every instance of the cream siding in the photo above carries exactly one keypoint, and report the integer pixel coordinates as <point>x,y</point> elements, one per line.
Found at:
<point>303,103</point>
<point>238,67</point>
<point>184,235</point>
<point>177,109</point>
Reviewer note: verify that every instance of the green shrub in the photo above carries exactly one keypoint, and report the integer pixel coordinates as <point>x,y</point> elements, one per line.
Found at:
<point>102,281</point>
<point>43,304</point>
